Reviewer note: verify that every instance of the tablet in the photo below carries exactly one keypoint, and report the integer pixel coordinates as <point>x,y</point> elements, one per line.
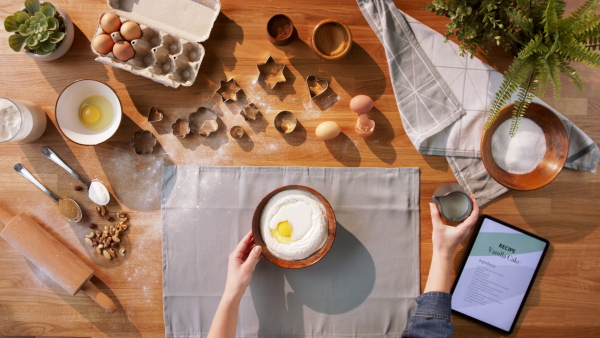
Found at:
<point>497,273</point>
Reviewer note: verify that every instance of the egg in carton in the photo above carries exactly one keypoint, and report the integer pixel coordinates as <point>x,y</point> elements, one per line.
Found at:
<point>168,50</point>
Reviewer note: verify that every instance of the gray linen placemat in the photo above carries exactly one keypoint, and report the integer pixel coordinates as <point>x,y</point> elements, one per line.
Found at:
<point>364,287</point>
<point>444,98</point>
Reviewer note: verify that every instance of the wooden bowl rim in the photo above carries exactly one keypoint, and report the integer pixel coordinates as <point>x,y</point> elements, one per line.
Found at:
<point>302,263</point>
<point>557,148</point>
<point>348,43</point>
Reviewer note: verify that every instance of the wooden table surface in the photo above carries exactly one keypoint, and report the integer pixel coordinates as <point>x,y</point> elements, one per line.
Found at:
<point>563,302</point>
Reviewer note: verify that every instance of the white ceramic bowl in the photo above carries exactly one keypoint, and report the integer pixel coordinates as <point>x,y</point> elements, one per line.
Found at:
<point>67,111</point>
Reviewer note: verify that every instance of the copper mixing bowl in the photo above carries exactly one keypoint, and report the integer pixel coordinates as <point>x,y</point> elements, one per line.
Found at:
<point>557,148</point>
<point>294,264</point>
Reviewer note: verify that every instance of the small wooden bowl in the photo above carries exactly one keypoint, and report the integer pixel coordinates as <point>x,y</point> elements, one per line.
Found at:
<point>280,30</point>
<point>557,148</point>
<point>302,263</point>
<point>331,40</point>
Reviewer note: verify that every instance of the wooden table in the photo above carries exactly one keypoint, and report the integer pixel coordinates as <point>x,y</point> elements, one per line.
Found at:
<point>563,302</point>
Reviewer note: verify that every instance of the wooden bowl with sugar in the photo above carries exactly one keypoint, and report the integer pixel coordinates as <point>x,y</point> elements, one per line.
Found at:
<point>314,257</point>
<point>554,156</point>
<point>331,40</point>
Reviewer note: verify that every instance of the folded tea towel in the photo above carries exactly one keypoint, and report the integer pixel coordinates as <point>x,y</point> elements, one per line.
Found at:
<point>443,98</point>
<point>364,287</point>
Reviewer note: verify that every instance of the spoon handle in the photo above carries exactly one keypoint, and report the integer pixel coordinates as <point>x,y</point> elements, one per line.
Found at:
<point>25,173</point>
<point>52,156</point>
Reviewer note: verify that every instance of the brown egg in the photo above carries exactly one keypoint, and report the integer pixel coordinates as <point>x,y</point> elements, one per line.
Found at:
<point>123,50</point>
<point>361,104</point>
<point>131,31</point>
<point>327,130</point>
<point>110,23</point>
<point>103,43</point>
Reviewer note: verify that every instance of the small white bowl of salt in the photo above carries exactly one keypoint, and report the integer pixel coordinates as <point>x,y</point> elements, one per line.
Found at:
<point>533,157</point>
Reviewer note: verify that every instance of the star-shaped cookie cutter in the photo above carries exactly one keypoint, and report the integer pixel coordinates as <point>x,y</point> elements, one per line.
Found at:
<point>271,72</point>
<point>229,90</point>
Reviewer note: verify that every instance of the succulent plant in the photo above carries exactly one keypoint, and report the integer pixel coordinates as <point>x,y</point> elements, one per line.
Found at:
<point>38,27</point>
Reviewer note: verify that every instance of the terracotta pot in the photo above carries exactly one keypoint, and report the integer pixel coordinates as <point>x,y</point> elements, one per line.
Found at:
<point>66,43</point>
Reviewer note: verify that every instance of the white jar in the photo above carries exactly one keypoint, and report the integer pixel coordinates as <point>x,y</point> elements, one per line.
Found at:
<point>21,121</point>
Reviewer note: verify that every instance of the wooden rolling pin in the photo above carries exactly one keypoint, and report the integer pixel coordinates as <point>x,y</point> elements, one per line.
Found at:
<point>52,257</point>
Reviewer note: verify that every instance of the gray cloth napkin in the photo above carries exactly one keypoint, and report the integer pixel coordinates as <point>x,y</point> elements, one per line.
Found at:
<point>364,287</point>
<point>444,98</point>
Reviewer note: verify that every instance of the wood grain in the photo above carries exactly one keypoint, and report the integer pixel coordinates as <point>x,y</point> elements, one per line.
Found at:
<point>563,302</point>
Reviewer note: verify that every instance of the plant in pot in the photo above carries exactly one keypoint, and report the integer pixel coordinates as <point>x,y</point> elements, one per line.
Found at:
<point>548,43</point>
<point>477,24</point>
<point>43,31</point>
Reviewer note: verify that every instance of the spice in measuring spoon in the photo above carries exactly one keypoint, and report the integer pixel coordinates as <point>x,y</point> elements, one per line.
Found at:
<point>68,208</point>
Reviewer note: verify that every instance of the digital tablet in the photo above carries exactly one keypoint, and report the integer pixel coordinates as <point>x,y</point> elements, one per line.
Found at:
<point>497,273</point>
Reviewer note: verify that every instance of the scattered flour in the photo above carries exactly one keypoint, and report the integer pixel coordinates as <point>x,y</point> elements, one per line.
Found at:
<point>523,152</point>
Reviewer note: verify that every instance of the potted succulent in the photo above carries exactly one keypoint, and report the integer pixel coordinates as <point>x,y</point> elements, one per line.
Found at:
<point>545,43</point>
<point>42,31</point>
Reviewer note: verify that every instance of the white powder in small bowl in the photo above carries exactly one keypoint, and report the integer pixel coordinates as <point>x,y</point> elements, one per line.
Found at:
<point>523,152</point>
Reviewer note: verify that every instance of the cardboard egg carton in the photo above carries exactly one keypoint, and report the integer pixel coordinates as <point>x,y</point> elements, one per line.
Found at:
<point>169,50</point>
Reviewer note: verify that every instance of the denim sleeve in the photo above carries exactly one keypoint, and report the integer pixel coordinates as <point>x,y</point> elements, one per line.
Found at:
<point>432,318</point>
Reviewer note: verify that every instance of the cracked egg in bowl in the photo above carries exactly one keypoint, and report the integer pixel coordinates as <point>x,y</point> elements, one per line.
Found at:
<point>295,226</point>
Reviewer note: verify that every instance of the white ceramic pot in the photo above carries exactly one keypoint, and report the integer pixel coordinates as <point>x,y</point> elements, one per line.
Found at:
<point>66,43</point>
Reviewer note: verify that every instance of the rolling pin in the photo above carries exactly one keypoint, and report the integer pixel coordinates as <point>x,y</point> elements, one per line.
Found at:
<point>52,257</point>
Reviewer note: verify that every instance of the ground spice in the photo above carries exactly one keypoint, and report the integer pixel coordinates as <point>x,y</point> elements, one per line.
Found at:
<point>68,208</point>
<point>331,39</point>
<point>283,32</point>
<point>279,27</point>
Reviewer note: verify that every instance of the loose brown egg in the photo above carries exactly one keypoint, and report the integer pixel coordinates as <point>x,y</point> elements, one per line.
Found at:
<point>103,43</point>
<point>110,23</point>
<point>361,104</point>
<point>123,50</point>
<point>131,31</point>
<point>327,130</point>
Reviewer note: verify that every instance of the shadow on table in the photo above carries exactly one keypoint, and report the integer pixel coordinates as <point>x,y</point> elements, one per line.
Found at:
<point>339,283</point>
<point>371,81</point>
<point>344,150</point>
<point>78,63</point>
<point>380,142</point>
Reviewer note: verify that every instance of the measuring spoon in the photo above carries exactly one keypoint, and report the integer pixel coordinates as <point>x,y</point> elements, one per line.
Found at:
<point>98,185</point>
<point>25,173</point>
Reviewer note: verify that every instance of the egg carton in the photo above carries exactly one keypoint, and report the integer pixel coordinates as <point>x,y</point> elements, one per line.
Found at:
<point>169,50</point>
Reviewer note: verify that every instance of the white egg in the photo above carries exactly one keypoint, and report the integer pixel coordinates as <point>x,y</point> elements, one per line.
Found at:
<point>298,215</point>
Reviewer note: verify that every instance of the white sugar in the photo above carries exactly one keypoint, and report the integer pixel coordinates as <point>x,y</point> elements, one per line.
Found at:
<point>523,152</point>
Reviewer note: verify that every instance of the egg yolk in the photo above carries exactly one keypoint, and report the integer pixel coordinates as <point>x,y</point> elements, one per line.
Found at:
<point>284,228</point>
<point>283,232</point>
<point>90,114</point>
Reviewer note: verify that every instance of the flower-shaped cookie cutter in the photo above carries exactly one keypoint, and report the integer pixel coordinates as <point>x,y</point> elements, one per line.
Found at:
<point>229,90</point>
<point>181,128</point>
<point>316,86</point>
<point>203,121</point>
<point>271,72</point>
<point>250,112</point>
<point>143,142</point>
<point>155,115</point>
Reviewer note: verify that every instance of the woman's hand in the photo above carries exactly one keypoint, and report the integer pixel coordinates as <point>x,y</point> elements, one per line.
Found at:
<point>446,238</point>
<point>242,262</point>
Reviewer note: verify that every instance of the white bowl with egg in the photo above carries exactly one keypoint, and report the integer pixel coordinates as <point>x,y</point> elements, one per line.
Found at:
<point>295,225</point>
<point>88,112</point>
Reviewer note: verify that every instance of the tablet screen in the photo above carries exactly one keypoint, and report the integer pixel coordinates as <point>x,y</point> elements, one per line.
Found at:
<point>497,273</point>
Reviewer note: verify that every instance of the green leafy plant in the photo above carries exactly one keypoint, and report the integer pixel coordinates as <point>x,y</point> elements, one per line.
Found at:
<point>477,23</point>
<point>549,43</point>
<point>39,27</point>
